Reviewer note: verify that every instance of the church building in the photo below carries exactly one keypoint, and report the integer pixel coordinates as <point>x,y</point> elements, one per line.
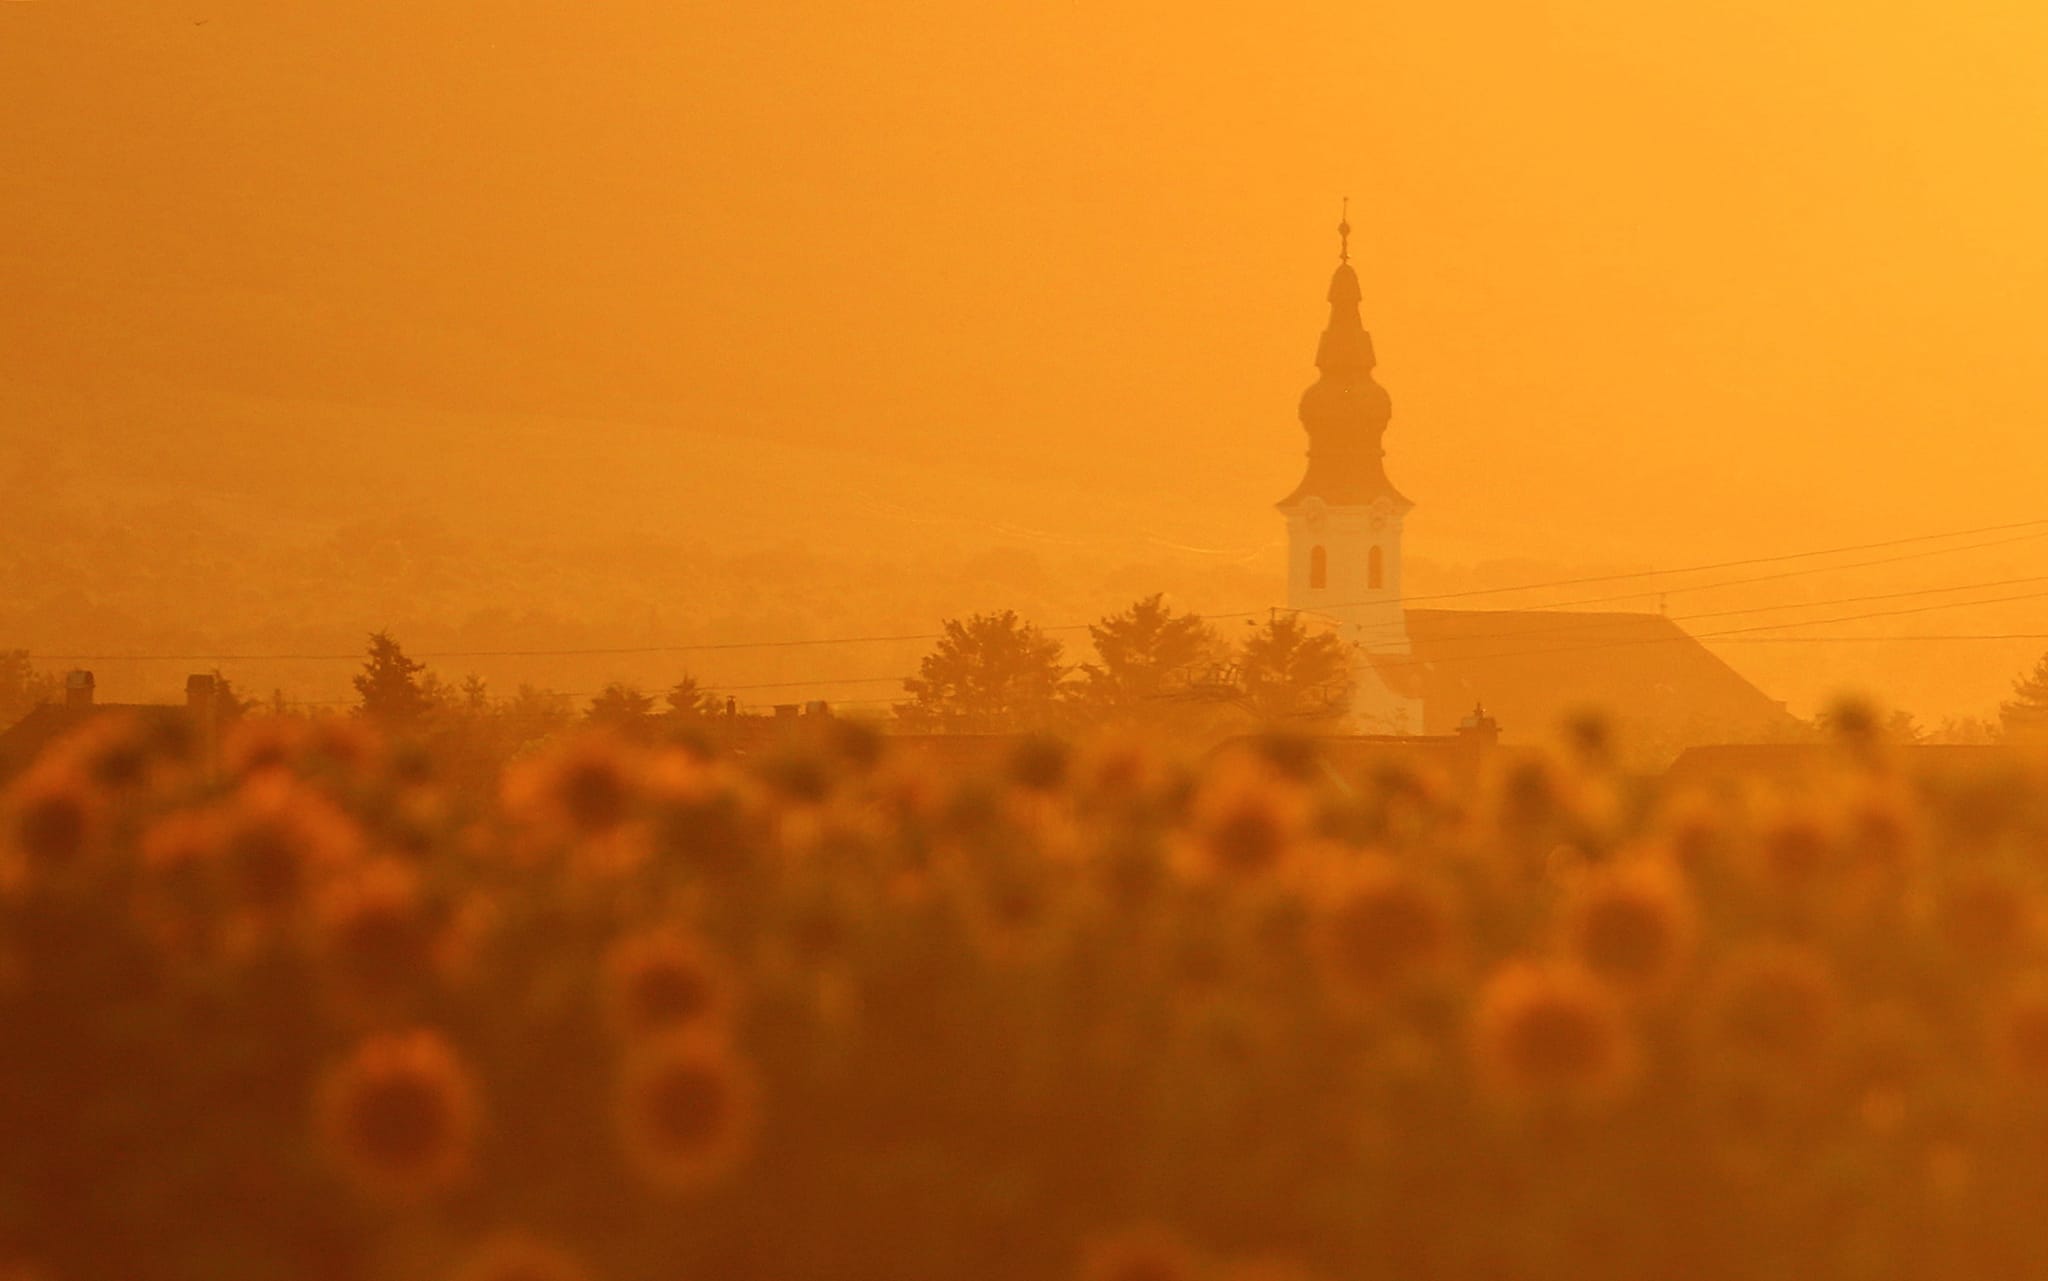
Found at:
<point>1421,671</point>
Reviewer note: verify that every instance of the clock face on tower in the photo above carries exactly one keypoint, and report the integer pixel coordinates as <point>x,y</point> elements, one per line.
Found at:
<point>1313,515</point>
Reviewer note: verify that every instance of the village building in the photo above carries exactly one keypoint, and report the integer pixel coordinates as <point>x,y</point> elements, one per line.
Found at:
<point>1421,671</point>
<point>196,721</point>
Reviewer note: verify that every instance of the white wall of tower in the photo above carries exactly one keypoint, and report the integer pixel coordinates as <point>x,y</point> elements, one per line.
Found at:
<point>1369,614</point>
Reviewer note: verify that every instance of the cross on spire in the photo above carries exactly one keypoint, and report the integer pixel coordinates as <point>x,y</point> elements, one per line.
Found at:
<point>1344,233</point>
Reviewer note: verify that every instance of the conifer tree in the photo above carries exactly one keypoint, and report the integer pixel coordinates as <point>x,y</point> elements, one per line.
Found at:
<point>992,673</point>
<point>392,686</point>
<point>689,701</point>
<point>1293,673</point>
<point>2025,715</point>
<point>1140,653</point>
<point>621,706</point>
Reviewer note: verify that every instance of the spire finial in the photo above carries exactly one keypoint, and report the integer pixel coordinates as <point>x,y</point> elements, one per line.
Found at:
<point>1344,233</point>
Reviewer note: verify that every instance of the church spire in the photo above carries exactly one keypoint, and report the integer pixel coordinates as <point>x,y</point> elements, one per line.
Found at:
<point>1346,412</point>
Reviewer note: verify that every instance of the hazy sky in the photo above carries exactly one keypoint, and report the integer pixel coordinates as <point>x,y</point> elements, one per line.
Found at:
<point>1649,282</point>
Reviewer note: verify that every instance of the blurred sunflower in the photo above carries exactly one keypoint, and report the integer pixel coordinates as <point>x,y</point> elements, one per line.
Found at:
<point>1552,1034</point>
<point>663,981</point>
<point>1269,1269</point>
<point>1532,796</point>
<point>1695,829</point>
<point>2019,1031</point>
<point>115,752</point>
<point>1147,1252</point>
<point>176,903</point>
<point>375,929</point>
<point>54,818</point>
<point>1776,1003</point>
<point>181,842</point>
<point>255,745</point>
<point>1013,906</point>
<point>1380,925</point>
<point>687,1112</point>
<point>1797,851</point>
<point>1883,832</point>
<point>1122,775</point>
<point>1632,925</point>
<point>587,787</point>
<point>1245,823</point>
<point>1891,1055</point>
<point>516,1256</point>
<point>1987,918</point>
<point>345,745</point>
<point>280,838</point>
<point>399,1117</point>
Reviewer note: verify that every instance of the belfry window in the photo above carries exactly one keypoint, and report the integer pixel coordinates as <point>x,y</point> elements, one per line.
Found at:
<point>1318,567</point>
<point>1375,570</point>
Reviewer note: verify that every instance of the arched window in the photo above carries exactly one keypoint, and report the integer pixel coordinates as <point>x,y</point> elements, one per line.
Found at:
<point>1318,567</point>
<point>1375,570</point>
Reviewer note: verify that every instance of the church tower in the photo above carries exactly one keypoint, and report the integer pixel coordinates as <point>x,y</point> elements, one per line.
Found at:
<point>1344,518</point>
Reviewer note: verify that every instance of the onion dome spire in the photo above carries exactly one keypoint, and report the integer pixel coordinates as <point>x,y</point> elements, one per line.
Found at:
<point>1346,411</point>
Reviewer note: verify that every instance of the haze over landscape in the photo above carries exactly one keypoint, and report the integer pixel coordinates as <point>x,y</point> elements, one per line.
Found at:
<point>906,641</point>
<point>662,324</point>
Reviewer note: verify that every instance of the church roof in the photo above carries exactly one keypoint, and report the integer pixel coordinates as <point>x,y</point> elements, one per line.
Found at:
<point>1535,668</point>
<point>1345,411</point>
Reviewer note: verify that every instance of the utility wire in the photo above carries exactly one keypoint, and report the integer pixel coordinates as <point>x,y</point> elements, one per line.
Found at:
<point>2040,525</point>
<point>1730,582</point>
<point>1608,620</point>
<point>1738,632</point>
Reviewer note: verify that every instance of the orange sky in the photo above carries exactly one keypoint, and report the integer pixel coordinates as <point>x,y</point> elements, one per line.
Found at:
<point>1650,283</point>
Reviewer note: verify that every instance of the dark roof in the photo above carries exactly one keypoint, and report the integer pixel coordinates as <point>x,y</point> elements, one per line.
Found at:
<point>1345,412</point>
<point>25,740</point>
<point>1353,759</point>
<point>1534,668</point>
<point>1736,761</point>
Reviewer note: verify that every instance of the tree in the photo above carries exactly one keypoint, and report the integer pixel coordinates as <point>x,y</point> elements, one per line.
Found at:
<point>1973,730</point>
<point>1903,728</point>
<point>22,686</point>
<point>391,686</point>
<point>992,673</point>
<point>1289,672</point>
<point>2025,715</point>
<point>621,706</point>
<point>533,713</point>
<point>689,701</point>
<point>1141,653</point>
<point>476,695</point>
<point>227,702</point>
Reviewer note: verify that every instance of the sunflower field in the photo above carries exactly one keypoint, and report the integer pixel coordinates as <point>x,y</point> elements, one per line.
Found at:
<point>314,1006</point>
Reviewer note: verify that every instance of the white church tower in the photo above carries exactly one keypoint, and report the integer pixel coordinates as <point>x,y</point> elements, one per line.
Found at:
<point>1344,518</point>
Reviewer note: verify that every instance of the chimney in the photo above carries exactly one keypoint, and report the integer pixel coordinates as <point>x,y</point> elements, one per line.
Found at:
<point>199,694</point>
<point>1479,729</point>
<point>78,689</point>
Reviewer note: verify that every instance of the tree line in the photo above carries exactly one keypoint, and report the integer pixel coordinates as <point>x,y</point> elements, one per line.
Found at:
<point>1148,665</point>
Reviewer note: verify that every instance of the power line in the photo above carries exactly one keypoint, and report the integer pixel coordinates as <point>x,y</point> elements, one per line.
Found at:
<point>1606,620</point>
<point>2041,525</point>
<point>1885,636</point>
<point>1679,637</point>
<point>1731,582</point>
<point>1737,564</point>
